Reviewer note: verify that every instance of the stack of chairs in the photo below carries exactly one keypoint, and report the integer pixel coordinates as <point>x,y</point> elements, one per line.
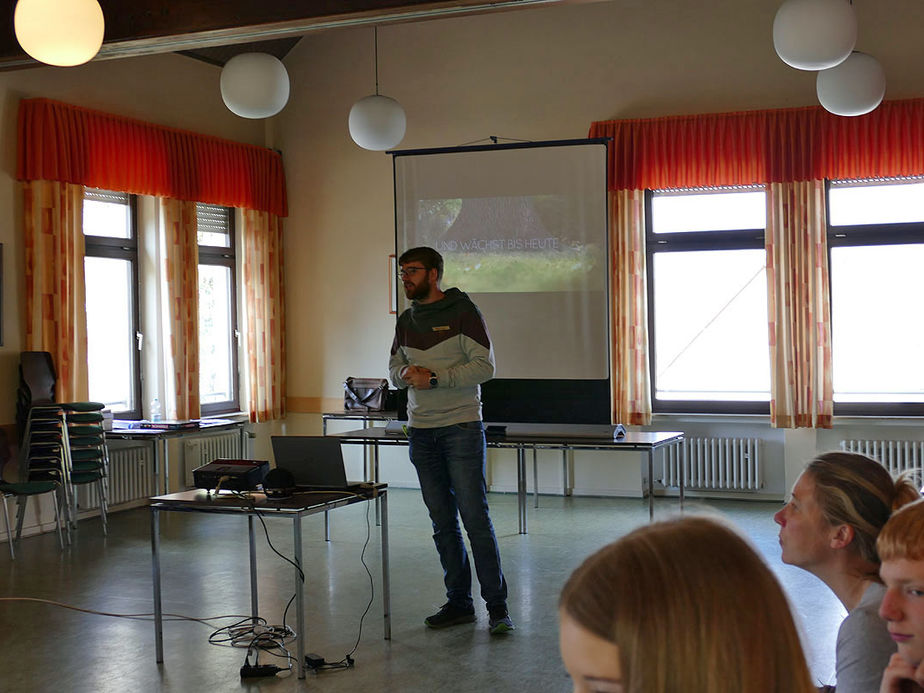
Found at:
<point>88,455</point>
<point>45,457</point>
<point>43,438</point>
<point>62,444</point>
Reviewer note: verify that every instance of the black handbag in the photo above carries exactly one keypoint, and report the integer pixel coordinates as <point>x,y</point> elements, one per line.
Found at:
<point>364,394</point>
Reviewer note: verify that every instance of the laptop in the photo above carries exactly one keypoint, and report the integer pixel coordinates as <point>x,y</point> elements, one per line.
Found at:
<point>315,462</point>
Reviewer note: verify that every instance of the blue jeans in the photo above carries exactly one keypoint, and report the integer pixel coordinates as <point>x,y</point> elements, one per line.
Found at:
<point>450,463</point>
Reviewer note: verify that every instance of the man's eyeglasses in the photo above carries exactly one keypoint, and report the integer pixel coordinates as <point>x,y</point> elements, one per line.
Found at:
<point>410,271</point>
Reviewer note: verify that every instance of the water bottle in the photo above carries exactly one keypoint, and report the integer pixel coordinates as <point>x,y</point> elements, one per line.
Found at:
<point>155,409</point>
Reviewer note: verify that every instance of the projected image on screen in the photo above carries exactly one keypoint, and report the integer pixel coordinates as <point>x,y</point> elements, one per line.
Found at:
<point>523,231</point>
<point>522,243</point>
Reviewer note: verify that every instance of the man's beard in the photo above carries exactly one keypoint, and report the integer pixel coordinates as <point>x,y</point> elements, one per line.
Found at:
<point>422,290</point>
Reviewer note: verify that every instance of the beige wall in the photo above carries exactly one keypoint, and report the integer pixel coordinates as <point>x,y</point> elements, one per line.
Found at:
<point>169,89</point>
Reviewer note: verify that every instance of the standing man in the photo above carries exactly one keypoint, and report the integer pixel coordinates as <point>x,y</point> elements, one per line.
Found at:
<point>441,354</point>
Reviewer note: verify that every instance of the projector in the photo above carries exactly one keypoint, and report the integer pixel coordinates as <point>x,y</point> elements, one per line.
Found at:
<point>234,475</point>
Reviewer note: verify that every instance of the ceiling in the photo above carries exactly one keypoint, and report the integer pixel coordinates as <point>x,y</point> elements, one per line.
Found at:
<point>217,30</point>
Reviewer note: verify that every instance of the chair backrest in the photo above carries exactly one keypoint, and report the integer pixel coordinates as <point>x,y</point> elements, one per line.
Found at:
<point>37,376</point>
<point>5,453</point>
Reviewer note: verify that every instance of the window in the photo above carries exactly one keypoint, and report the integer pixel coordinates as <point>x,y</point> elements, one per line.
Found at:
<point>111,271</point>
<point>218,384</point>
<point>876,246</point>
<point>708,300</point>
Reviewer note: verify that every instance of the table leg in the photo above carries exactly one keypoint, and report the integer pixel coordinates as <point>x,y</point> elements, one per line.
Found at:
<point>650,485</point>
<point>165,456</point>
<point>521,488</point>
<point>382,500</point>
<point>155,566</point>
<point>245,437</point>
<point>367,464</point>
<point>535,478</point>
<point>157,465</point>
<point>254,608</point>
<point>682,480</point>
<point>375,479</point>
<point>299,597</point>
<point>565,476</point>
<point>327,525</point>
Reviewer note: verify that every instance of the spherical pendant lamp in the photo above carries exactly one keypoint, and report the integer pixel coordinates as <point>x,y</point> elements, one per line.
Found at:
<point>377,122</point>
<point>854,87</point>
<point>814,34</point>
<point>254,85</point>
<point>59,32</point>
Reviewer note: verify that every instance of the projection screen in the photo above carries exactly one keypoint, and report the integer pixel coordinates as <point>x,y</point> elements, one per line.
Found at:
<point>523,230</point>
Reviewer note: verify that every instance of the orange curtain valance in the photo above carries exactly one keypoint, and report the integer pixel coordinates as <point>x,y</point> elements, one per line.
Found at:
<point>757,147</point>
<point>61,142</point>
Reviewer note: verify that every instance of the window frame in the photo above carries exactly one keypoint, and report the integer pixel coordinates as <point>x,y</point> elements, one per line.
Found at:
<point>225,257</point>
<point>688,241</point>
<point>125,249</point>
<point>904,233</point>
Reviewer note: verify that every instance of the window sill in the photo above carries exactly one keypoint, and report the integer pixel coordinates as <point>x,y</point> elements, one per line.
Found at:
<point>842,420</point>
<point>236,416</point>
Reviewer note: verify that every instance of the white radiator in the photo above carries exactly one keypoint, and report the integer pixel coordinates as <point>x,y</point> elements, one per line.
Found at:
<point>722,464</point>
<point>131,478</point>
<point>895,455</point>
<point>198,451</point>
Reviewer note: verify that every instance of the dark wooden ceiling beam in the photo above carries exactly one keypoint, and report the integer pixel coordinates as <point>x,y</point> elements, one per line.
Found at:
<point>139,27</point>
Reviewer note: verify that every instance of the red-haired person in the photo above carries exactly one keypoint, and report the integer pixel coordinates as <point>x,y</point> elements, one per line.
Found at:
<point>901,548</point>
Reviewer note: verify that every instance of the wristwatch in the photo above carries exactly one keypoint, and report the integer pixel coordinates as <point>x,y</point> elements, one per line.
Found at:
<point>433,381</point>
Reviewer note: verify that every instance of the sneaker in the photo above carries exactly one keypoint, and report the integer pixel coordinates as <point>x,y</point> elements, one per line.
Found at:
<point>499,621</point>
<point>450,615</point>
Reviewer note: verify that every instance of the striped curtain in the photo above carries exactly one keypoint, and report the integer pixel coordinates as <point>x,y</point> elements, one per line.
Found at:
<point>629,301</point>
<point>801,388</point>
<point>56,319</point>
<point>265,315</point>
<point>181,309</point>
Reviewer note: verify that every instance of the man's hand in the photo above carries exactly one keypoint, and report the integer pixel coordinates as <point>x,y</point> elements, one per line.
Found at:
<point>902,677</point>
<point>417,377</point>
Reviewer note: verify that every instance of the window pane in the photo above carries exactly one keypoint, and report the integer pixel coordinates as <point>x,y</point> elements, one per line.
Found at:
<point>711,336</point>
<point>214,225</point>
<point>215,338</point>
<point>877,339</point>
<point>106,214</point>
<point>884,203</point>
<point>110,332</point>
<point>718,211</point>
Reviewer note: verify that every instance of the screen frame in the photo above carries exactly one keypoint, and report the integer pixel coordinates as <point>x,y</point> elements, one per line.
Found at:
<point>545,401</point>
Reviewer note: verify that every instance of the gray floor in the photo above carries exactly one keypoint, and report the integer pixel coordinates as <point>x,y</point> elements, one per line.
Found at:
<point>204,559</point>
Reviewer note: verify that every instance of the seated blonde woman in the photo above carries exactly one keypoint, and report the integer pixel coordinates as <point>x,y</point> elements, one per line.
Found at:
<point>901,549</point>
<point>682,605</point>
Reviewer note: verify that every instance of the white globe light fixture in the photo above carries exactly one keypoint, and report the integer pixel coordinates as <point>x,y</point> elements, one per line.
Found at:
<point>59,32</point>
<point>377,122</point>
<point>814,34</point>
<point>854,87</point>
<point>254,85</point>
